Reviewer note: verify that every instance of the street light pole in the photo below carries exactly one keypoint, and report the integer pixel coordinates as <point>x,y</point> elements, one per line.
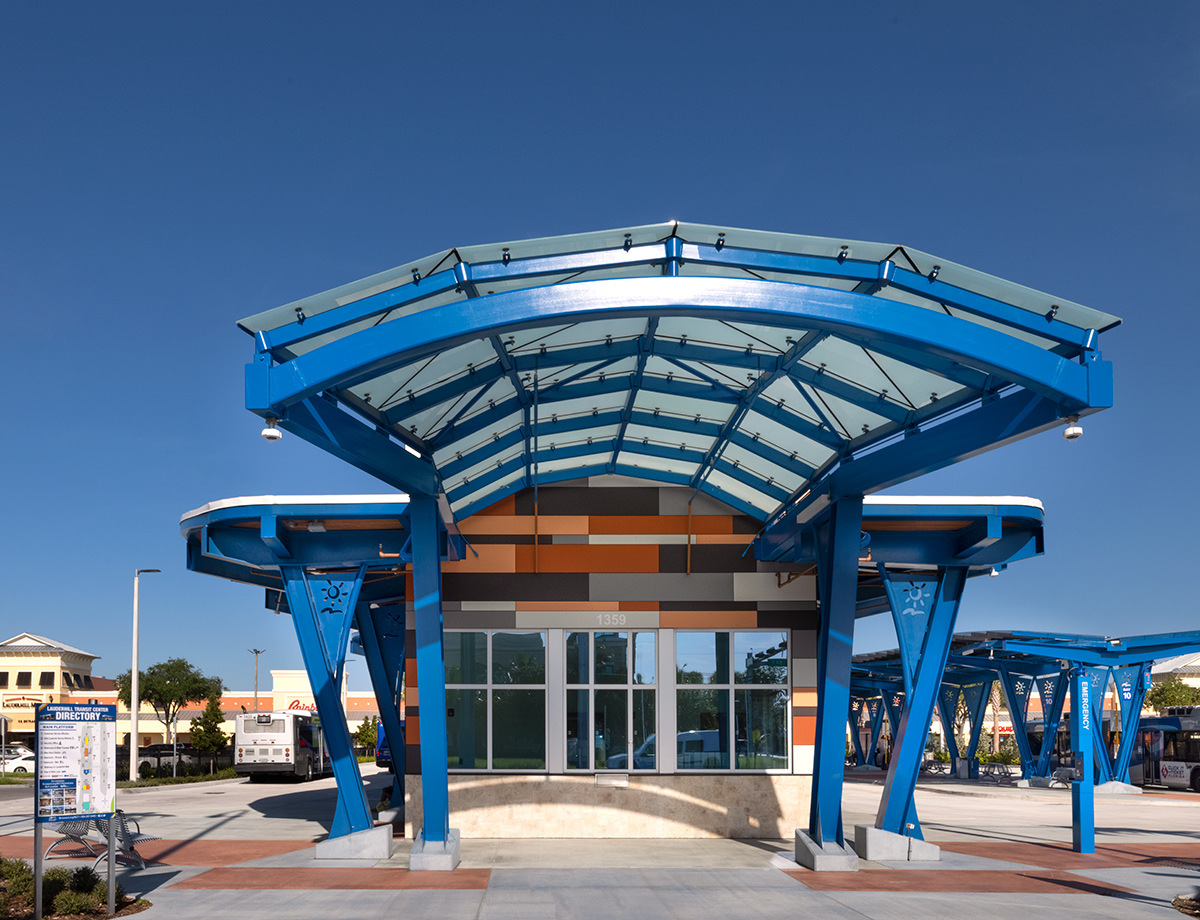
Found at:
<point>256,652</point>
<point>135,702</point>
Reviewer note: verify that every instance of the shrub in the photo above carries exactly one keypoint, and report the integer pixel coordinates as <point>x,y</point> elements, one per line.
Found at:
<point>19,876</point>
<point>13,868</point>
<point>76,902</point>
<point>84,879</point>
<point>54,881</point>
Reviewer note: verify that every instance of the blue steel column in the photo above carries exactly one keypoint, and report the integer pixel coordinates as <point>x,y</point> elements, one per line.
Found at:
<point>1131,692</point>
<point>1104,763</point>
<point>947,706</point>
<point>323,628</point>
<point>1053,690</point>
<point>875,710</point>
<point>837,579</point>
<point>1016,697</point>
<point>382,631</point>
<point>977,697</point>
<point>897,811</point>
<point>431,669</point>
<point>1083,803</point>
<point>856,708</point>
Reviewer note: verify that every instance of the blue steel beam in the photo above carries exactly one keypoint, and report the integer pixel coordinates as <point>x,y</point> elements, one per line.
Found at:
<point>627,413</point>
<point>748,397</point>
<point>379,349</point>
<point>321,423</point>
<point>1017,689</point>
<point>1001,420</point>
<point>837,582</point>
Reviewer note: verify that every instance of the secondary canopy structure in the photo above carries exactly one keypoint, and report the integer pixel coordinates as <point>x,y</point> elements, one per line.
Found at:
<point>787,376</point>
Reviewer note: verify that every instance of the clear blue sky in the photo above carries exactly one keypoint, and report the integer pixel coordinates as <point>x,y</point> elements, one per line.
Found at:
<point>170,168</point>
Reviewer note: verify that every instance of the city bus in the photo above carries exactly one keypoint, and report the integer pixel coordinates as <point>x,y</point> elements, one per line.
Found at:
<point>1168,752</point>
<point>282,743</point>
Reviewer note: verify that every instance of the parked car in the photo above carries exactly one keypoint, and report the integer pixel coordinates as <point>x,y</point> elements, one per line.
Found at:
<point>156,758</point>
<point>14,750</point>
<point>24,763</point>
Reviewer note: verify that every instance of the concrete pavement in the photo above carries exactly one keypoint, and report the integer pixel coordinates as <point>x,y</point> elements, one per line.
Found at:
<point>238,850</point>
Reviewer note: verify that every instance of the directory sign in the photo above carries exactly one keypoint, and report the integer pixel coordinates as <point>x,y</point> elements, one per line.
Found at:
<point>76,762</point>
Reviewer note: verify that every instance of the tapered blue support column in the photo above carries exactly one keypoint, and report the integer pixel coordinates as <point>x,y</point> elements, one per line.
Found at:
<point>928,643</point>
<point>1016,697</point>
<point>1099,690</point>
<point>382,631</point>
<point>976,696</point>
<point>947,706</point>
<point>875,710</point>
<point>838,542</point>
<point>427,537</point>
<point>322,608</point>
<point>1053,690</point>
<point>1083,803</point>
<point>855,722</point>
<point>1131,693</point>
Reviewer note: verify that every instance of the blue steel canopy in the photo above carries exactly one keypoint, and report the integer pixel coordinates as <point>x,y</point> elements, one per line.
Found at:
<point>748,365</point>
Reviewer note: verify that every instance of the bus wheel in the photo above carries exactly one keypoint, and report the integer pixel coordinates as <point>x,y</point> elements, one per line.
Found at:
<point>1196,780</point>
<point>308,773</point>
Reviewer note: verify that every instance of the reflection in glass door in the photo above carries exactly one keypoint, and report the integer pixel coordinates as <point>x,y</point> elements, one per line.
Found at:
<point>611,699</point>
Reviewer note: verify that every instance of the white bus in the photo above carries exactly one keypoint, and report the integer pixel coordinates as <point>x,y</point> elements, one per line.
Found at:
<point>284,743</point>
<point>1168,751</point>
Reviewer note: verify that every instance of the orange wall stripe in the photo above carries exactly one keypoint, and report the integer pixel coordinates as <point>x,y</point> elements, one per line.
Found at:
<point>708,619</point>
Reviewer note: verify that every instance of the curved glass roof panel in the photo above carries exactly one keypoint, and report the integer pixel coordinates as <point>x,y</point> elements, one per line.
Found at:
<point>746,363</point>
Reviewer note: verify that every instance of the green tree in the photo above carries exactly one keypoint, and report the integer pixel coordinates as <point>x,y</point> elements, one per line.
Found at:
<point>1172,692</point>
<point>168,685</point>
<point>207,735</point>
<point>367,733</point>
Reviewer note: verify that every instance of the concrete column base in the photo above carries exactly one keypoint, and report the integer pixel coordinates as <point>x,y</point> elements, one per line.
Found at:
<point>373,843</point>
<point>829,858</point>
<point>880,846</point>
<point>435,855</point>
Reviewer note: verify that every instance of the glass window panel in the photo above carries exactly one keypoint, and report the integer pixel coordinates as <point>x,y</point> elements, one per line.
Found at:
<point>644,750</point>
<point>466,729</point>
<point>612,658</point>
<point>577,730</point>
<point>643,658</point>
<point>702,717</point>
<point>612,734</point>
<point>519,658</point>
<point>762,742</point>
<point>702,657</point>
<point>577,658</point>
<point>466,657</point>
<point>760,657</point>
<point>518,729</point>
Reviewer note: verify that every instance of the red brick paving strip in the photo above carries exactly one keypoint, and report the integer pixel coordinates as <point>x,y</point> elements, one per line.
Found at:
<point>1061,856</point>
<point>254,879</point>
<point>953,881</point>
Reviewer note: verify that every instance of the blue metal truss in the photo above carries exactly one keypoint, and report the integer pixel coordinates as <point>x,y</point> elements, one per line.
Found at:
<point>288,389</point>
